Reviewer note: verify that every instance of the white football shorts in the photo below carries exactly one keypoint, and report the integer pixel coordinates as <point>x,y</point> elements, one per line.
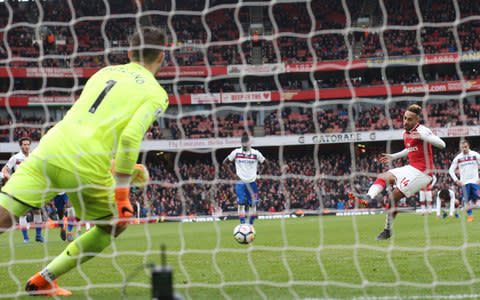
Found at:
<point>410,180</point>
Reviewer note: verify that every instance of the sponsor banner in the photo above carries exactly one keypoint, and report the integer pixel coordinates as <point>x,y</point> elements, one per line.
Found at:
<point>229,97</point>
<point>433,59</point>
<point>381,90</point>
<point>13,101</point>
<point>339,93</point>
<point>326,66</point>
<point>288,140</point>
<point>37,100</point>
<point>451,86</point>
<point>424,88</point>
<point>246,97</point>
<point>55,72</point>
<point>205,98</point>
<point>297,140</point>
<point>189,71</point>
<point>192,71</point>
<point>414,60</point>
<point>202,71</point>
<point>213,143</point>
<point>48,72</point>
<point>272,141</point>
<point>256,69</point>
<point>457,131</point>
<point>472,56</point>
<point>393,61</point>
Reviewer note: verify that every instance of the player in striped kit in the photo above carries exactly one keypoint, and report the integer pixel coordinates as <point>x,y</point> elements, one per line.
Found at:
<point>467,163</point>
<point>12,166</point>
<point>410,179</point>
<point>246,165</point>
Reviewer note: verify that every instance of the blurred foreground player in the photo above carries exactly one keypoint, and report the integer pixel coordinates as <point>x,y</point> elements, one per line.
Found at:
<point>117,106</point>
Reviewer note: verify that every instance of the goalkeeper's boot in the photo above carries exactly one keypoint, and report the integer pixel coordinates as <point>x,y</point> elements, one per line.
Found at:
<point>363,200</point>
<point>444,215</point>
<point>37,285</point>
<point>457,216</point>
<point>470,219</point>
<point>384,235</point>
<point>63,234</point>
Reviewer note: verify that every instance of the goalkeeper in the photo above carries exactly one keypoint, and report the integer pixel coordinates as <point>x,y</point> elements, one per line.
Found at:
<point>108,121</point>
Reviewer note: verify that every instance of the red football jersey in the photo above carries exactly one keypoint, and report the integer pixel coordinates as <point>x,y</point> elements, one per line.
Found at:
<point>419,152</point>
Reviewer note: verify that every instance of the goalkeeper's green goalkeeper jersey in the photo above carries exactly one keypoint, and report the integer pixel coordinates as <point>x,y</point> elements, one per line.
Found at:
<point>117,106</point>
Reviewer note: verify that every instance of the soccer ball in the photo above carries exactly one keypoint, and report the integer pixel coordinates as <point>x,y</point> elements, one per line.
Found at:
<point>244,233</point>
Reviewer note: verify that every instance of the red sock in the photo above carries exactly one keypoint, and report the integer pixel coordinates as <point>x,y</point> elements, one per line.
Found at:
<point>381,182</point>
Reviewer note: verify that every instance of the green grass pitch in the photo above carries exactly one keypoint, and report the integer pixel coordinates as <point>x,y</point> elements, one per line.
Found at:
<point>308,257</point>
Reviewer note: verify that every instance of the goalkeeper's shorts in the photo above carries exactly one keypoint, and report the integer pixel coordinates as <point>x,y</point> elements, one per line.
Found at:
<point>35,183</point>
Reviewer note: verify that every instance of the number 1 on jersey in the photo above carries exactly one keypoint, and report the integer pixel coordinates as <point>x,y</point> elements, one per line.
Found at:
<point>110,85</point>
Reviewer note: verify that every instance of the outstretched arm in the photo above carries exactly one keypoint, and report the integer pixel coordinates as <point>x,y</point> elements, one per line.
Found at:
<point>389,157</point>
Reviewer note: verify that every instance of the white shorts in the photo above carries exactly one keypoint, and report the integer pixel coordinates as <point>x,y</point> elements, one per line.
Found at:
<point>410,180</point>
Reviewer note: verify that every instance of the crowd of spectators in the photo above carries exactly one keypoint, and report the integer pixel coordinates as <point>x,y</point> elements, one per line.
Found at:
<point>444,114</point>
<point>301,180</point>
<point>280,121</point>
<point>221,36</point>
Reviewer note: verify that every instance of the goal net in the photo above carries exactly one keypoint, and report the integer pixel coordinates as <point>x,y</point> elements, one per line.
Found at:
<point>320,87</point>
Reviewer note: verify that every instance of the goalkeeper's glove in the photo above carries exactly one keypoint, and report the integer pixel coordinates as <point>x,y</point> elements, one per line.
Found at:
<point>122,192</point>
<point>124,207</point>
<point>140,175</point>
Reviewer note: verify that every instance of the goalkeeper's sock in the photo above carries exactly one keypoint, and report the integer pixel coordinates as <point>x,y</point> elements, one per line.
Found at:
<point>91,242</point>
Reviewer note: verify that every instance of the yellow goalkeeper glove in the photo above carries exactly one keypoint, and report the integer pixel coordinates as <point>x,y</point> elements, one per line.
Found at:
<point>140,175</point>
